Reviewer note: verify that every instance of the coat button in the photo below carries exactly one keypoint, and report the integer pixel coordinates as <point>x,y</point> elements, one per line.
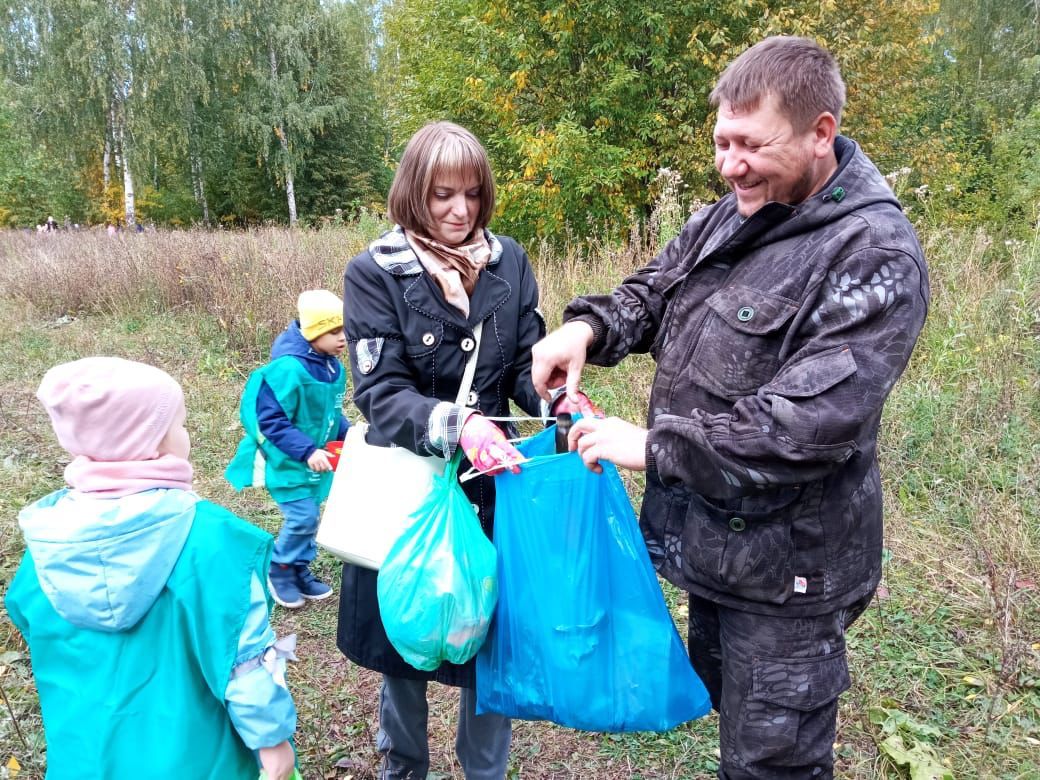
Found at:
<point>428,339</point>
<point>467,344</point>
<point>476,509</point>
<point>737,524</point>
<point>745,313</point>
<point>471,399</point>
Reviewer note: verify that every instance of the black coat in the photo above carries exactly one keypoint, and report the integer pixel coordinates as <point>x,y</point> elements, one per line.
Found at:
<point>408,350</point>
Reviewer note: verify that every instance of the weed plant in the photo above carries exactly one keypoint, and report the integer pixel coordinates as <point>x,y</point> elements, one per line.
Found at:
<point>945,664</point>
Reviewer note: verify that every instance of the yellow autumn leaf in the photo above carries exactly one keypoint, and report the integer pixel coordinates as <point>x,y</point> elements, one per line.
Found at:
<point>13,767</point>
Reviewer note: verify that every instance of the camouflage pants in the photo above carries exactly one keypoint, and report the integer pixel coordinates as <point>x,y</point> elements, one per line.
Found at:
<point>775,682</point>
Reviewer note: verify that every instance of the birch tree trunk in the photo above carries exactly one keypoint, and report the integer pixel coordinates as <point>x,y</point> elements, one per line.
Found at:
<point>198,185</point>
<point>290,188</point>
<point>129,211</point>
<point>106,162</point>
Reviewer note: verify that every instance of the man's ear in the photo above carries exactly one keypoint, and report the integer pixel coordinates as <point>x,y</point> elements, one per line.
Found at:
<point>824,129</point>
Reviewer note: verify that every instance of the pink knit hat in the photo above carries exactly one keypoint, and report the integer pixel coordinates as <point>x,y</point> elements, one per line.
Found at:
<point>110,409</point>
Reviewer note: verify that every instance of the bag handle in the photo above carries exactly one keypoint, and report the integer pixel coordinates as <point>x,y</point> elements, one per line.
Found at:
<point>471,367</point>
<point>451,468</point>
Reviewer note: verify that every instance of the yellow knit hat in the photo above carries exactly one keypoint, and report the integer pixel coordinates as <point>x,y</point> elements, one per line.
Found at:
<point>320,312</point>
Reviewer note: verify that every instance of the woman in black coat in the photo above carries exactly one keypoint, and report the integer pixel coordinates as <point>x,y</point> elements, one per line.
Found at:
<point>412,302</point>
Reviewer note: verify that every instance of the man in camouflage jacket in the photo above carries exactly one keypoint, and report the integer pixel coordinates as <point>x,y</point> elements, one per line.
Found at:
<point>779,319</point>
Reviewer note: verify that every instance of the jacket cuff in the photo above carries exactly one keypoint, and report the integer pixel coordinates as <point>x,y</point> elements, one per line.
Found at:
<point>651,458</point>
<point>445,426</point>
<point>599,330</point>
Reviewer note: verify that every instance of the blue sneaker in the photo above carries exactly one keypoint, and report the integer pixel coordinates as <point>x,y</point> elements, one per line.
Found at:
<point>281,581</point>
<point>310,586</point>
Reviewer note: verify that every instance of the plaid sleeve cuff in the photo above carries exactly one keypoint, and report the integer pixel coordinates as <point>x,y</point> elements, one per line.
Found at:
<point>445,427</point>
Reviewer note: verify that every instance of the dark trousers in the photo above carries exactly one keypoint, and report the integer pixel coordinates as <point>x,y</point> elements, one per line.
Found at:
<point>775,682</point>
<point>481,743</point>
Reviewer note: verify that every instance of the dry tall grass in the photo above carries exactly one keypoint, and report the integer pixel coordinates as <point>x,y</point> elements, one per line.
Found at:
<point>952,647</point>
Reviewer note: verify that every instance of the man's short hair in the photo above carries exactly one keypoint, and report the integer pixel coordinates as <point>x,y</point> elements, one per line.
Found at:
<point>800,73</point>
<point>438,149</point>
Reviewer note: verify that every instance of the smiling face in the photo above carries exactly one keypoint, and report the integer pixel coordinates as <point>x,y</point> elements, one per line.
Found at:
<point>763,158</point>
<point>453,205</point>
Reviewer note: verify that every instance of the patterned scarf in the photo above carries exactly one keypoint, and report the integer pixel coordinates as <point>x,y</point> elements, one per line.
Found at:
<point>455,269</point>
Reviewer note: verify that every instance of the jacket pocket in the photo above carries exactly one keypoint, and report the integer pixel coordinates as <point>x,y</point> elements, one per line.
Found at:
<point>423,339</point>
<point>747,554</point>
<point>661,519</point>
<point>803,684</point>
<point>738,350</point>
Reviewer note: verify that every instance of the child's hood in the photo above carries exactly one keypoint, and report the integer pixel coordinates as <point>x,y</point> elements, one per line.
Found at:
<point>290,341</point>
<point>102,562</point>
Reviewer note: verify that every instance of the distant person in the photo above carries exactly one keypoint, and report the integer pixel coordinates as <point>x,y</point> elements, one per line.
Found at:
<point>143,605</point>
<point>779,319</point>
<point>51,225</point>
<point>291,408</point>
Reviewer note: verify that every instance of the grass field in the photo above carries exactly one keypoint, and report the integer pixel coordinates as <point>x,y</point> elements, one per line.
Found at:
<point>945,664</point>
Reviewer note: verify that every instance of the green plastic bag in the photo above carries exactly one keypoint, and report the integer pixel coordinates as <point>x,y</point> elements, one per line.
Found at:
<point>437,588</point>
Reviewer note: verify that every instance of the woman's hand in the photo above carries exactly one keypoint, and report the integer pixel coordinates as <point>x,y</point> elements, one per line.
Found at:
<point>581,405</point>
<point>486,446</point>
<point>611,439</point>
<point>278,761</point>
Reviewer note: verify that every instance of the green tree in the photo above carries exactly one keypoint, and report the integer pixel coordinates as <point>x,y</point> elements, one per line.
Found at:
<point>84,73</point>
<point>581,103</point>
<point>287,96</point>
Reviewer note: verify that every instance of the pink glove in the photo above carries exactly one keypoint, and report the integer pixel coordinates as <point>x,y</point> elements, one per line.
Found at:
<point>584,406</point>
<point>486,447</point>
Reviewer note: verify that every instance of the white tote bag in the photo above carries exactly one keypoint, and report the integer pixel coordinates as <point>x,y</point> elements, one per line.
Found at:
<point>374,492</point>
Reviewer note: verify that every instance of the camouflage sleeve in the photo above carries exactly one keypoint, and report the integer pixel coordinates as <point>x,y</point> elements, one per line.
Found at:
<point>825,401</point>
<point>628,319</point>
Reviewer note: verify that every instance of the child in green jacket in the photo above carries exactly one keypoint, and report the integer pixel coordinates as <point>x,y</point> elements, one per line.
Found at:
<point>146,664</point>
<point>291,408</point>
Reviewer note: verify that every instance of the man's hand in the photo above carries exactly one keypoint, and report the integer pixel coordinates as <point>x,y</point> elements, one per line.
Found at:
<point>611,439</point>
<point>558,359</point>
<point>319,461</point>
<point>278,761</point>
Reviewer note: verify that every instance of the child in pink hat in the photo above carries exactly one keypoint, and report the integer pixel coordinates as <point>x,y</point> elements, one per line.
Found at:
<point>144,606</point>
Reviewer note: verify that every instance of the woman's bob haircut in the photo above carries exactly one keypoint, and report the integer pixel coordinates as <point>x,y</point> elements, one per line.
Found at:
<point>440,149</point>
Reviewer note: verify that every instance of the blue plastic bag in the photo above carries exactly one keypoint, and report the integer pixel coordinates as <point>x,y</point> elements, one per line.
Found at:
<point>437,587</point>
<point>582,636</point>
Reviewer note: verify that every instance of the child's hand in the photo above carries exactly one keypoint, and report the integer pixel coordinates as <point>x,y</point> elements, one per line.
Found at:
<point>319,461</point>
<point>278,761</point>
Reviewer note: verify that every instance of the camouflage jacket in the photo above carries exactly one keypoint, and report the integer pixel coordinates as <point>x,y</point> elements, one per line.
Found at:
<point>777,340</point>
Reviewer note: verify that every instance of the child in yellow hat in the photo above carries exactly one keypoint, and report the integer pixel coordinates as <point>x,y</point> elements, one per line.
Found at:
<point>291,408</point>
